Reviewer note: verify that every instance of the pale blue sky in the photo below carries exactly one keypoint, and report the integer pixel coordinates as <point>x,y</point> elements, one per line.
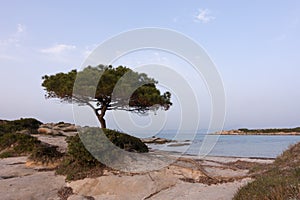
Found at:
<point>254,44</point>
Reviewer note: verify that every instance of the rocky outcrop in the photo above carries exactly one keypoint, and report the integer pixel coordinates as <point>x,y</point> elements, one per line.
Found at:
<point>186,178</point>
<point>60,128</point>
<point>156,140</point>
<point>230,132</point>
<point>138,186</point>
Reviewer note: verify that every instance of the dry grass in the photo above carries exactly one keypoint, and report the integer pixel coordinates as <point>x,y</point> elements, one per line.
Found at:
<point>278,181</point>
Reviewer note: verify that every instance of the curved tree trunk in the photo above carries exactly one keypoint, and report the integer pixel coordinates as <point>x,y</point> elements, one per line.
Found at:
<point>101,116</point>
<point>102,121</point>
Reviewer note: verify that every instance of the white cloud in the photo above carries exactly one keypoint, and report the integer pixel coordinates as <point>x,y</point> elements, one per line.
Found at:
<point>204,16</point>
<point>21,28</point>
<point>58,49</point>
<point>14,38</point>
<point>12,44</point>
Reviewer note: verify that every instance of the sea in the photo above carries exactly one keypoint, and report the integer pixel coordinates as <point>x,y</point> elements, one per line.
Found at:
<point>200,143</point>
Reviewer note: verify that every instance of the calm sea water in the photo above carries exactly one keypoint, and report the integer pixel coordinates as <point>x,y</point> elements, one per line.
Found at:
<point>231,145</point>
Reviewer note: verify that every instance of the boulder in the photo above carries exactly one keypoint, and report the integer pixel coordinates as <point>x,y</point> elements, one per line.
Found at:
<point>48,131</point>
<point>156,140</point>
<point>60,128</point>
<point>48,125</point>
<point>70,128</point>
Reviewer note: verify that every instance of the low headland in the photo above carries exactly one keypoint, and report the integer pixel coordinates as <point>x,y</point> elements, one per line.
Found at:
<point>270,131</point>
<point>49,161</point>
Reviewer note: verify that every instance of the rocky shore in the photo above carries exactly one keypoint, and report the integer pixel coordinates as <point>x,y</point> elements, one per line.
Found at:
<point>218,178</point>
<point>188,177</point>
<point>156,140</point>
<point>61,128</point>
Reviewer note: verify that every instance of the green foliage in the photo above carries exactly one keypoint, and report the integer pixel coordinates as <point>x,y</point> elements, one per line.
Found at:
<point>78,152</point>
<point>281,180</point>
<point>270,130</point>
<point>29,124</point>
<point>17,144</point>
<point>59,85</point>
<point>118,88</point>
<point>45,154</point>
<point>80,163</point>
<point>14,144</point>
<point>126,142</point>
<point>7,154</point>
<point>272,186</point>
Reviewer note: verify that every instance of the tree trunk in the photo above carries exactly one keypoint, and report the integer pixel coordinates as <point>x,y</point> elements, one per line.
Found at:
<point>101,116</point>
<point>102,121</point>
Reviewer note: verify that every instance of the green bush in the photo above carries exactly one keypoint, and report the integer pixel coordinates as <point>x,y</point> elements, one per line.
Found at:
<point>280,180</point>
<point>46,154</point>
<point>7,154</point>
<point>14,144</point>
<point>78,152</point>
<point>272,186</point>
<point>125,141</point>
<point>80,163</point>
<point>29,124</point>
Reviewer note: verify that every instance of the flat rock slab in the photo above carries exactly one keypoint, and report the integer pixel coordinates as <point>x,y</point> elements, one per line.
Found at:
<point>59,141</point>
<point>41,185</point>
<point>123,187</point>
<point>14,167</point>
<point>21,182</point>
<point>184,191</point>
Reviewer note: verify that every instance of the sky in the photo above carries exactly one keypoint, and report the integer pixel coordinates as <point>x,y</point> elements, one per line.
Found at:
<point>255,46</point>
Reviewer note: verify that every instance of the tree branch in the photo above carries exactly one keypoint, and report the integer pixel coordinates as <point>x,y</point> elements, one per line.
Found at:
<point>85,102</point>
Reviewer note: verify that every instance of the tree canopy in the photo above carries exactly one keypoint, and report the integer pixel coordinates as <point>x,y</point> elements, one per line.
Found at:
<point>107,88</point>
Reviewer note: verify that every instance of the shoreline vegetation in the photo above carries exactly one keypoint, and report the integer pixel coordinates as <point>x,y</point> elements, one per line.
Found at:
<point>270,131</point>
<point>38,158</point>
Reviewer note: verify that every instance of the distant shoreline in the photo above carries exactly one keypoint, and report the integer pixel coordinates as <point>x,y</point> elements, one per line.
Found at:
<point>244,131</point>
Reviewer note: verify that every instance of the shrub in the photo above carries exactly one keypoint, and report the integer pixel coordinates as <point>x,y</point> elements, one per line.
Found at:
<point>80,163</point>
<point>29,124</point>
<point>13,144</point>
<point>281,180</point>
<point>272,186</point>
<point>7,154</point>
<point>46,154</point>
<point>126,142</point>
